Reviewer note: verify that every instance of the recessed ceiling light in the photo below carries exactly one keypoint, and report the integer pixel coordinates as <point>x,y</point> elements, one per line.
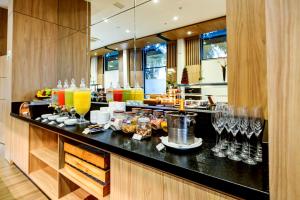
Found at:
<point>105,20</point>
<point>175,18</point>
<point>127,31</point>
<point>95,54</point>
<point>117,48</point>
<point>155,1</point>
<point>189,32</point>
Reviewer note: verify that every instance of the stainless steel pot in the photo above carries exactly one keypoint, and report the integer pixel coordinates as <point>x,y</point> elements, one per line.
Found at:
<point>181,127</point>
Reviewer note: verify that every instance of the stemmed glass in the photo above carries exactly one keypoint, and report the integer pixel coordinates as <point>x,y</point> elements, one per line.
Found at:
<point>249,133</point>
<point>234,123</point>
<point>220,122</point>
<point>257,124</point>
<point>244,123</point>
<point>214,123</point>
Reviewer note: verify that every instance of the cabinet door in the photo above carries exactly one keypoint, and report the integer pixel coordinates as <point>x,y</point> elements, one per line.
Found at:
<point>178,189</point>
<point>20,144</point>
<point>132,181</point>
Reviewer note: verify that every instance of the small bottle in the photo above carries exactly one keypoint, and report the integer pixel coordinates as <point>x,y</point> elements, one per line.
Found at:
<point>55,91</point>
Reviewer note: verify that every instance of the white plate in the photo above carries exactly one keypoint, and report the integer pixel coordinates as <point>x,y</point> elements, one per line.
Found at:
<point>45,116</point>
<point>70,122</point>
<point>61,119</point>
<point>198,143</point>
<point>53,117</point>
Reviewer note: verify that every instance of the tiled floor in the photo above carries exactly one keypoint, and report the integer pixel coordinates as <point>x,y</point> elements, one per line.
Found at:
<point>14,184</point>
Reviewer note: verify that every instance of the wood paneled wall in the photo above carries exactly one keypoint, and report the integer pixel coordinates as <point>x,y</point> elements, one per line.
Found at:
<point>172,55</point>
<point>192,51</point>
<point>3,31</point>
<point>283,64</point>
<point>246,42</point>
<point>49,43</point>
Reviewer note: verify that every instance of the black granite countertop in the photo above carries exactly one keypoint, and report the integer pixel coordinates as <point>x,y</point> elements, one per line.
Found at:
<point>199,165</point>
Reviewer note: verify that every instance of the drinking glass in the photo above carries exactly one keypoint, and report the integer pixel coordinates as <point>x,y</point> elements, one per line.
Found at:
<point>229,112</point>
<point>234,123</point>
<point>214,124</point>
<point>257,124</point>
<point>244,123</point>
<point>249,133</point>
<point>220,123</point>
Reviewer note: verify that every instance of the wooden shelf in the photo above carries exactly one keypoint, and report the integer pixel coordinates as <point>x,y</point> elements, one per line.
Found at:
<point>85,182</point>
<point>46,179</point>
<point>78,194</point>
<point>47,155</point>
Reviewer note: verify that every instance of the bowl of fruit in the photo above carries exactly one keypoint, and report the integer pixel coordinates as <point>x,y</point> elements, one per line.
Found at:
<point>43,94</point>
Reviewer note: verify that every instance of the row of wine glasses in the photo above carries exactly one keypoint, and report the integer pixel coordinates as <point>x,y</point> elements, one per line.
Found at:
<point>237,120</point>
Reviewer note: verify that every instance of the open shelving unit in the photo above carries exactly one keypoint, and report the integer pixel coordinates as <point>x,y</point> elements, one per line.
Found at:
<point>60,180</point>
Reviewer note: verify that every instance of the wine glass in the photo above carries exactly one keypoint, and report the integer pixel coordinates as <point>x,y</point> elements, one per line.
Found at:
<point>244,123</point>
<point>220,123</point>
<point>229,112</point>
<point>257,124</point>
<point>249,132</point>
<point>234,123</point>
<point>214,124</point>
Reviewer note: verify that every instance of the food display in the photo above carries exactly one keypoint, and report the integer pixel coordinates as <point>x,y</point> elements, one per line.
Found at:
<point>144,127</point>
<point>157,119</point>
<point>117,120</point>
<point>44,93</point>
<point>129,123</point>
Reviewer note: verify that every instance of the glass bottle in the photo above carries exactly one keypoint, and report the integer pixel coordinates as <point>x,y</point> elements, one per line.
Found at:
<point>82,101</point>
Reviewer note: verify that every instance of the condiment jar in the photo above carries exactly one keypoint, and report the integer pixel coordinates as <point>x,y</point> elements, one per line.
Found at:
<point>118,117</point>
<point>147,113</point>
<point>144,127</point>
<point>157,118</point>
<point>128,124</point>
<point>137,114</point>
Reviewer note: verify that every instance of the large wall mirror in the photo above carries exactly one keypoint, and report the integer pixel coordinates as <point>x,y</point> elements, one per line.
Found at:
<point>155,43</point>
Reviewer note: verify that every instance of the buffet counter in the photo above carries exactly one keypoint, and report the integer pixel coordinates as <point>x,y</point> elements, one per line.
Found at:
<point>197,168</point>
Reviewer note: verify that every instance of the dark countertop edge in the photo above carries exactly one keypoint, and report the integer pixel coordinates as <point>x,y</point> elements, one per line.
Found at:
<point>214,183</point>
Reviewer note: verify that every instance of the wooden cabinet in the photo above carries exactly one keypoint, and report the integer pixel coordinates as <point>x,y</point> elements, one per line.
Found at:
<point>20,143</point>
<point>133,181</point>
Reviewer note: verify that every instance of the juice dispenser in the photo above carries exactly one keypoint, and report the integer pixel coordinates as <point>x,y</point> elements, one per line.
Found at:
<point>69,93</point>
<point>82,101</point>
<point>109,93</point>
<point>118,93</point>
<point>55,91</point>
<point>127,93</point>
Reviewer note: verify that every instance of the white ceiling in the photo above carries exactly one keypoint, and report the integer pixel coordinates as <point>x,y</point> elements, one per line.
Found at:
<point>4,3</point>
<point>151,18</point>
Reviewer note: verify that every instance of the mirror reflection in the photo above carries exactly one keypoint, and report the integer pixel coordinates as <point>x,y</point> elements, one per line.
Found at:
<point>157,45</point>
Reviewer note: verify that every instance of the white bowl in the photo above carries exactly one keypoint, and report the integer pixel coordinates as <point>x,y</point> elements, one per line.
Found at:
<point>61,119</point>
<point>53,117</point>
<point>45,116</point>
<point>70,122</point>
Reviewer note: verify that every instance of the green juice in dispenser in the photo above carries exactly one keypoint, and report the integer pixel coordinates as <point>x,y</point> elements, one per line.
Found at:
<point>126,93</point>
<point>69,93</point>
